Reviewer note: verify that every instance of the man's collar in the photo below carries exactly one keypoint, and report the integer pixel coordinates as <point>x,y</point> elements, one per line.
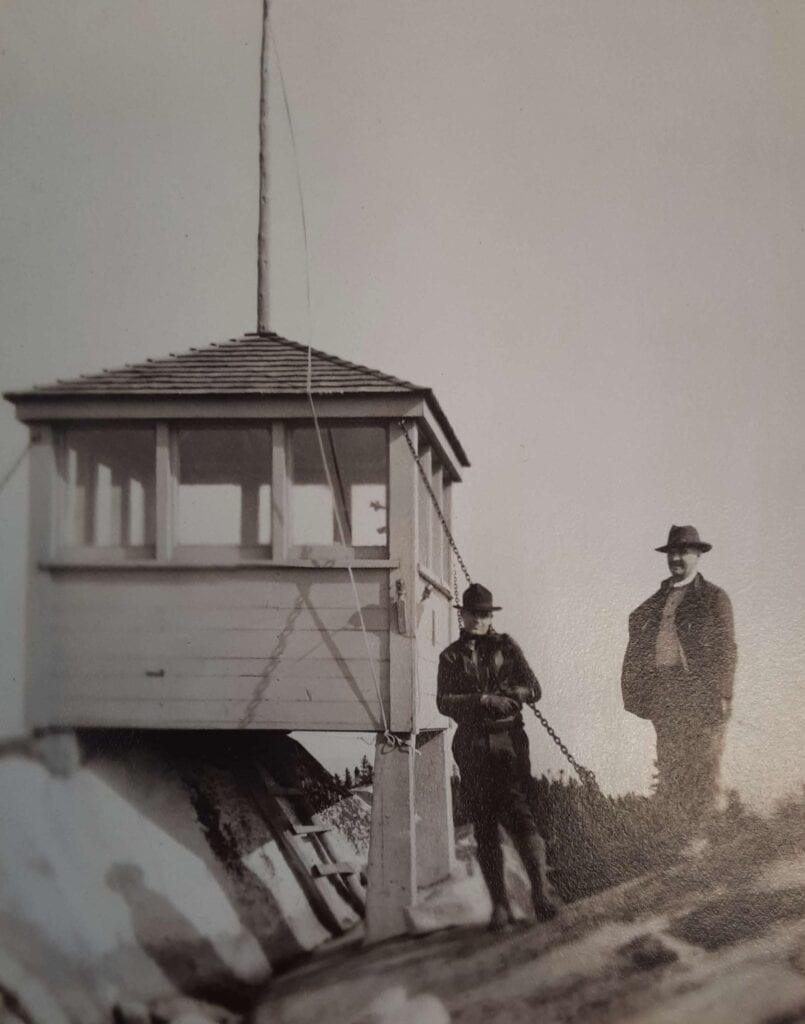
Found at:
<point>668,584</point>
<point>684,583</point>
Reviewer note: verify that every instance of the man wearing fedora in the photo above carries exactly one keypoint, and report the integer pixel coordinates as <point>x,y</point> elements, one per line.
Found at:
<point>678,672</point>
<point>483,682</point>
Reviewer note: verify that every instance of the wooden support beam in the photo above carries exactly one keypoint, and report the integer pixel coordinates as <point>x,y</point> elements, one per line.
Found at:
<point>433,801</point>
<point>402,521</point>
<point>392,861</point>
<point>279,493</point>
<point>43,482</point>
<point>165,492</point>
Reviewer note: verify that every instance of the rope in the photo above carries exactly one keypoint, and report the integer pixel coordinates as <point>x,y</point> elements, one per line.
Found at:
<point>586,775</point>
<point>14,467</point>
<point>296,164</point>
<point>388,735</point>
<point>390,739</point>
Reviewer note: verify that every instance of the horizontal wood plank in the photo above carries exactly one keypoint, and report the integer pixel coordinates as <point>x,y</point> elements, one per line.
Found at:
<point>66,618</point>
<point>310,590</point>
<point>224,669</point>
<point>155,406</point>
<point>75,649</point>
<point>269,688</point>
<point>336,715</point>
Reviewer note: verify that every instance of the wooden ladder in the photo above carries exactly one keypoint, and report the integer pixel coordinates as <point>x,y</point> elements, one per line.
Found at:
<point>330,885</point>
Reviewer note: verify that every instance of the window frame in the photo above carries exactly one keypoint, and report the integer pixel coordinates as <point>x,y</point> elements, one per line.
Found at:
<point>184,553</point>
<point>317,552</point>
<point>95,553</point>
<point>434,555</point>
<point>167,551</point>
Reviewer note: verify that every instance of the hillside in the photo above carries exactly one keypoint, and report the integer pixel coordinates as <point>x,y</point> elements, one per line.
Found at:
<point>719,939</point>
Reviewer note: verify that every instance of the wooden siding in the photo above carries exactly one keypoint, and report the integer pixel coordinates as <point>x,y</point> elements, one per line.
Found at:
<point>435,631</point>
<point>279,648</point>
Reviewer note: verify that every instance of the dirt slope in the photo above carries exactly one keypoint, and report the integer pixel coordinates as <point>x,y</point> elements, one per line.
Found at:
<point>720,939</point>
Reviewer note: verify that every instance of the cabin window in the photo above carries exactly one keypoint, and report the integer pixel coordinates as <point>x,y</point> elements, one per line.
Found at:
<point>356,460</point>
<point>108,488</point>
<point>223,492</point>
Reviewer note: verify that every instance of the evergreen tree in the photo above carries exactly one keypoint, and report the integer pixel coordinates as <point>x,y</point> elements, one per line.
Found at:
<point>347,779</point>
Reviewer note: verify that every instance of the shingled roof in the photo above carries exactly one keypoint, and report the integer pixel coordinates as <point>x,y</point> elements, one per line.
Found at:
<point>256,364</point>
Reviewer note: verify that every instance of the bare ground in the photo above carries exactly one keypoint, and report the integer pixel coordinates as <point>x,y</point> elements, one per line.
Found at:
<point>718,940</point>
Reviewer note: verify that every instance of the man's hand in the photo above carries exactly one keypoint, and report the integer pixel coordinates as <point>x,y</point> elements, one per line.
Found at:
<point>499,706</point>
<point>522,694</point>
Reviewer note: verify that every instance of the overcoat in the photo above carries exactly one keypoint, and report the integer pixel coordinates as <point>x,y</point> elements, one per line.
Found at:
<point>704,625</point>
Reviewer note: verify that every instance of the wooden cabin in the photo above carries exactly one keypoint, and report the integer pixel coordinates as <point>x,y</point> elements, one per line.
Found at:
<point>188,569</point>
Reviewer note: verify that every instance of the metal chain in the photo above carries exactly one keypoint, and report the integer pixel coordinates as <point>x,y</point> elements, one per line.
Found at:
<point>435,501</point>
<point>455,598</point>
<point>586,775</point>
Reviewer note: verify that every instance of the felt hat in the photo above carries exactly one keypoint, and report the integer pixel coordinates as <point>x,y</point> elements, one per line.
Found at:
<point>684,537</point>
<point>476,598</point>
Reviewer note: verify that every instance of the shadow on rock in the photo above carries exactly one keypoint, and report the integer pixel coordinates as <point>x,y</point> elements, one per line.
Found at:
<point>186,957</point>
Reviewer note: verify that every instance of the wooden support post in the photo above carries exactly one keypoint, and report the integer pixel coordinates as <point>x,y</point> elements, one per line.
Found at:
<point>165,492</point>
<point>403,525</point>
<point>433,802</point>
<point>392,860</point>
<point>40,698</point>
<point>279,493</point>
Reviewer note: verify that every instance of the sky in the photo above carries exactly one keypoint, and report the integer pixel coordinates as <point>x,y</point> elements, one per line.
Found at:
<point>582,224</point>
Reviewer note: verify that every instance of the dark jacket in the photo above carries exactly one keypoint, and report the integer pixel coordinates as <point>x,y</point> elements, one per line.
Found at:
<point>500,668</point>
<point>705,629</point>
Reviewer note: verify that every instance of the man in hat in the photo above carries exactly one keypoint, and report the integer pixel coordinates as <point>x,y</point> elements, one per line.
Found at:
<point>678,672</point>
<point>483,682</point>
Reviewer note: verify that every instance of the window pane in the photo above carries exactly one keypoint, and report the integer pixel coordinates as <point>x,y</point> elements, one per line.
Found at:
<point>224,486</point>
<point>368,514</point>
<point>312,514</point>
<point>357,460</point>
<point>109,497</point>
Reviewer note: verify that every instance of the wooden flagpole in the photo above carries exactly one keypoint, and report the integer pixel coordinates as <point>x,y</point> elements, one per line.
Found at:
<point>263,227</point>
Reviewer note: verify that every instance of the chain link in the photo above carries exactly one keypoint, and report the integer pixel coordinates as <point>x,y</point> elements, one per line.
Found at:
<point>455,598</point>
<point>586,775</point>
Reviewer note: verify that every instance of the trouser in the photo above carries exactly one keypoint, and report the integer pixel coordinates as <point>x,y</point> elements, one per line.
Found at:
<point>495,781</point>
<point>688,764</point>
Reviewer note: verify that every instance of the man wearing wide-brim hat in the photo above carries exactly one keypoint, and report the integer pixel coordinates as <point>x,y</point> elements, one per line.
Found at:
<point>678,672</point>
<point>483,681</point>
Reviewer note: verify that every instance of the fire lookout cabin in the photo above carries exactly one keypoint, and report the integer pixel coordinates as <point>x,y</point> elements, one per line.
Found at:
<point>188,569</point>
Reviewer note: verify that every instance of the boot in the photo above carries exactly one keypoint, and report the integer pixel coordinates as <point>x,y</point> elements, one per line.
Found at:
<point>532,853</point>
<point>490,861</point>
<point>501,917</point>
